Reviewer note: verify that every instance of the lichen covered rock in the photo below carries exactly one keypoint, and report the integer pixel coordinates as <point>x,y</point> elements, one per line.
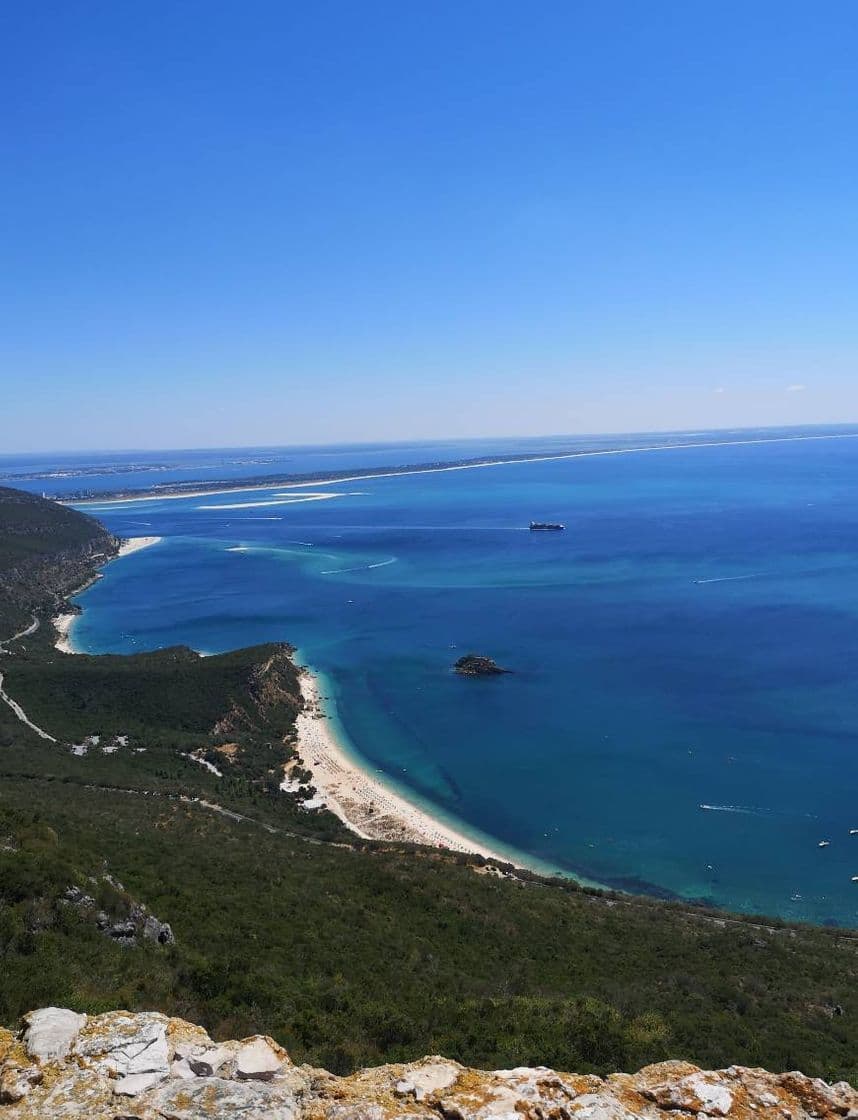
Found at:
<point>146,1066</point>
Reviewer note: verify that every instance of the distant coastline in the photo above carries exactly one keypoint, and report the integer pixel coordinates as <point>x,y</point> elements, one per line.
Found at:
<point>202,490</point>
<point>379,805</point>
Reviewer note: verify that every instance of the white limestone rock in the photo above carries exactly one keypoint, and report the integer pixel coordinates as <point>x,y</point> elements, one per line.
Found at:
<point>181,1069</point>
<point>186,1040</point>
<point>697,1092</point>
<point>258,1059</point>
<point>593,1106</point>
<point>17,1081</point>
<point>428,1078</point>
<point>367,1110</point>
<point>132,1049</point>
<point>122,1066</point>
<point>214,1098</point>
<point>50,1032</point>
<point>136,1083</point>
<point>211,1062</point>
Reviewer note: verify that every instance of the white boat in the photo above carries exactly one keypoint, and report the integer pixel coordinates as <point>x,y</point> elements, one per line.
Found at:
<point>855,878</point>
<point>853,831</point>
<point>823,844</point>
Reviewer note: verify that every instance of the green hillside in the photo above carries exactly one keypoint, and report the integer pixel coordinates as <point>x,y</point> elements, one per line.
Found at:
<point>31,528</point>
<point>46,552</point>
<point>348,952</point>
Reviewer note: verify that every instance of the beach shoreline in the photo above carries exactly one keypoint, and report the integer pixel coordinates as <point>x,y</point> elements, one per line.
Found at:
<point>310,480</point>
<point>134,544</point>
<point>63,623</point>
<point>366,805</point>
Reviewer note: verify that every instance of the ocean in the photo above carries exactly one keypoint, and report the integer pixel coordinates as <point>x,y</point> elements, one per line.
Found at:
<point>681,717</point>
<point>78,474</point>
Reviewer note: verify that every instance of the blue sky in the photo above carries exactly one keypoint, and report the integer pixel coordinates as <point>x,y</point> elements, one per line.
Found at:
<point>271,222</point>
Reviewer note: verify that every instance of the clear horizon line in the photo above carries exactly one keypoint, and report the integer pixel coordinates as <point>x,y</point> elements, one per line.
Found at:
<point>430,440</point>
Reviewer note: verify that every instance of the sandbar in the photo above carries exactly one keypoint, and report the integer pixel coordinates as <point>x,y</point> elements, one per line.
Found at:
<point>549,457</point>
<point>134,544</point>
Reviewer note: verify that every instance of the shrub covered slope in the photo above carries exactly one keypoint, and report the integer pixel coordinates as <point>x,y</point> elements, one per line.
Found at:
<point>347,952</point>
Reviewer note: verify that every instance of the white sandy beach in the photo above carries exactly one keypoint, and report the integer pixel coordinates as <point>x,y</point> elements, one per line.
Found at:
<point>310,481</point>
<point>63,622</point>
<point>134,544</point>
<point>367,806</point>
<point>62,625</point>
<point>362,802</point>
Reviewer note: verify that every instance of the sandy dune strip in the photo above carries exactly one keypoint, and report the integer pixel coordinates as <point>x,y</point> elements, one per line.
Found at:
<point>547,458</point>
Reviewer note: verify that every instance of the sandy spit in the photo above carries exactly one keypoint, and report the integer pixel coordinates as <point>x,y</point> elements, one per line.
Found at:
<point>548,457</point>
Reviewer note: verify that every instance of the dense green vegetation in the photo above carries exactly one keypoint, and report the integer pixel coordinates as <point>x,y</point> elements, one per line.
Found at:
<point>144,722</point>
<point>348,952</point>
<point>26,533</point>
<point>350,958</point>
<point>46,551</point>
<point>172,698</point>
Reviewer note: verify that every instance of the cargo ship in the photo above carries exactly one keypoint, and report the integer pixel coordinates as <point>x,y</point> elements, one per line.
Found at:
<point>537,526</point>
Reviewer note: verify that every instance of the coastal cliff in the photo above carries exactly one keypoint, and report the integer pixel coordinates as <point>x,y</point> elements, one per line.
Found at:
<point>146,1066</point>
<point>47,552</point>
<point>185,778</point>
<point>269,696</point>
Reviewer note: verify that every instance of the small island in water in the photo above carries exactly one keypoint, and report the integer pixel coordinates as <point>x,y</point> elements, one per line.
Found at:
<point>477,665</point>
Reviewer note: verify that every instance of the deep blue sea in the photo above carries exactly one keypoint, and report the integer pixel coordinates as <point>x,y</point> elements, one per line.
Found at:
<point>690,640</point>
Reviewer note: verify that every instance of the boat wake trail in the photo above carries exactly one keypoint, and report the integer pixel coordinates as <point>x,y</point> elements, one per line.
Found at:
<point>757,811</point>
<point>729,579</point>
<point>360,568</point>
<point>750,809</point>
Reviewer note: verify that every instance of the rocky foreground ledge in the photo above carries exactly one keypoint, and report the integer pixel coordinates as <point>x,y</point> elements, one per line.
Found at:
<point>146,1066</point>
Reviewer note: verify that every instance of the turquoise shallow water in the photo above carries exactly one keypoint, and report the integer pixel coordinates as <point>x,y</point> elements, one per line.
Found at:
<point>689,641</point>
